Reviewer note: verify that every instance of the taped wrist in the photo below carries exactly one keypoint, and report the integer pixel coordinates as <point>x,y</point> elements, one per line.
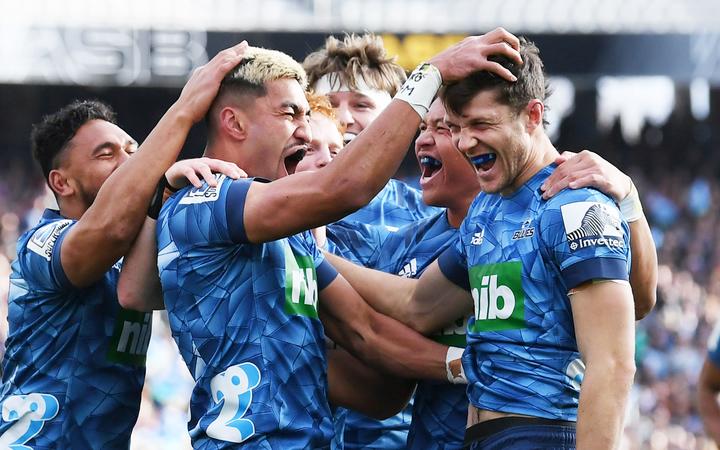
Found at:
<point>420,88</point>
<point>454,354</point>
<point>630,206</point>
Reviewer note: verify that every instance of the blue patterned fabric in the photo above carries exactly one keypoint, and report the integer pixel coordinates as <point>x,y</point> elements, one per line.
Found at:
<point>245,319</point>
<point>397,204</point>
<point>75,361</point>
<point>437,416</point>
<point>522,255</point>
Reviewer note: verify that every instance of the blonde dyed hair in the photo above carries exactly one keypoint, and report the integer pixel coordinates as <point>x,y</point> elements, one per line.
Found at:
<point>354,58</point>
<point>260,65</point>
<point>247,81</point>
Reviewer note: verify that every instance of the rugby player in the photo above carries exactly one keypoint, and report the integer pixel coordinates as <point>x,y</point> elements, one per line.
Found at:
<point>74,367</point>
<point>546,317</point>
<point>241,279</point>
<point>360,79</point>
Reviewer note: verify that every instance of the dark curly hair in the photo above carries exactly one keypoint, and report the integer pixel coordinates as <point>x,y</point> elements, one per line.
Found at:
<point>51,135</point>
<point>531,82</point>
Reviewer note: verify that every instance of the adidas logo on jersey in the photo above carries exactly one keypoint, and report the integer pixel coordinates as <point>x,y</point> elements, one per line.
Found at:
<point>478,238</point>
<point>409,270</point>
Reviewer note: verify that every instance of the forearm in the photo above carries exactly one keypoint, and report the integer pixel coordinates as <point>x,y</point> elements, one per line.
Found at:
<point>386,293</point>
<point>139,285</point>
<point>381,395</point>
<point>643,273</point>
<point>603,401</point>
<point>361,170</point>
<point>388,345</point>
<point>121,203</point>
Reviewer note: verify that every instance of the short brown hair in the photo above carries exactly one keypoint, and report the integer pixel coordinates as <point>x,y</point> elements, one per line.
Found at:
<point>356,57</point>
<point>531,83</point>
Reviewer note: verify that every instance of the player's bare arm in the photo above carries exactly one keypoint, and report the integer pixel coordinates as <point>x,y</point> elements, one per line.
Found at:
<point>708,389</point>
<point>118,212</point>
<point>425,304</point>
<point>590,169</point>
<point>139,284</point>
<point>307,200</point>
<point>376,339</point>
<point>381,396</point>
<point>605,331</point>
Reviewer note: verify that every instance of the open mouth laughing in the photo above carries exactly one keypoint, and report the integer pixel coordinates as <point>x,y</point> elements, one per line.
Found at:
<point>292,160</point>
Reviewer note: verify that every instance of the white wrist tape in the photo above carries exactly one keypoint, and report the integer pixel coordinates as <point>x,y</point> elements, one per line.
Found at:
<point>630,206</point>
<point>455,353</point>
<point>420,88</point>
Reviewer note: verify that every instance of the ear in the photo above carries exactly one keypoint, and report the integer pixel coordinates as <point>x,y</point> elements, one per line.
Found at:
<point>535,110</point>
<point>60,183</point>
<point>233,123</point>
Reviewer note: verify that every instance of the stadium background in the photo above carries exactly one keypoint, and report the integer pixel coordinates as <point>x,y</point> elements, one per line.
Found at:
<point>636,81</point>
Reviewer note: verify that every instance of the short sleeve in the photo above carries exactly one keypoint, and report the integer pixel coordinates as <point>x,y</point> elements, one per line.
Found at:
<point>40,256</point>
<point>453,264</point>
<point>325,272</point>
<point>584,234</point>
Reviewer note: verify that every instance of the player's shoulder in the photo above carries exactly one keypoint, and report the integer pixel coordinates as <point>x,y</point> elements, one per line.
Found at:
<point>42,238</point>
<point>586,194</point>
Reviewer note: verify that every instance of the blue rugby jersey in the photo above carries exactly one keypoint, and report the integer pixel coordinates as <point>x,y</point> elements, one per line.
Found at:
<point>75,361</point>
<point>397,204</point>
<point>439,414</point>
<point>522,255</point>
<point>245,319</point>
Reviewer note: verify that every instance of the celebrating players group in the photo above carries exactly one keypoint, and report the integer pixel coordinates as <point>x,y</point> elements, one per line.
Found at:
<point>317,302</point>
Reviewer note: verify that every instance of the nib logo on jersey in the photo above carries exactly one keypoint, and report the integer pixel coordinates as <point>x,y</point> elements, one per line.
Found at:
<point>591,224</point>
<point>498,296</point>
<point>301,289</point>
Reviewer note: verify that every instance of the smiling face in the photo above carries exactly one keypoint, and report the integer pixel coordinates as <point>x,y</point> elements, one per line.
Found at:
<point>278,130</point>
<point>495,138</point>
<point>325,145</point>
<point>356,109</point>
<point>91,156</point>
<point>447,179</point>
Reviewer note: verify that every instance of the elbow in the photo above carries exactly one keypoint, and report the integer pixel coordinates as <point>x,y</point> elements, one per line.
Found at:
<point>645,305</point>
<point>620,371</point>
<point>130,297</point>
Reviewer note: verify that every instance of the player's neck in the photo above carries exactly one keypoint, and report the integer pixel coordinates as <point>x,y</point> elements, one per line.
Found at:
<point>541,154</point>
<point>71,209</point>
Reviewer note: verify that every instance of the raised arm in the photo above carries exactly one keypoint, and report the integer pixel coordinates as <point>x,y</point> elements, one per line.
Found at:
<point>605,331</point>
<point>425,304</point>
<point>306,200</point>
<point>589,169</point>
<point>107,229</point>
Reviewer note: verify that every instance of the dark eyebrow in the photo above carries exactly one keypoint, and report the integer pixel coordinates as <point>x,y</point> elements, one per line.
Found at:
<point>297,109</point>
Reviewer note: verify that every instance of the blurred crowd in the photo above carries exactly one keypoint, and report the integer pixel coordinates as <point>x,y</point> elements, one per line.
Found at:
<point>675,168</point>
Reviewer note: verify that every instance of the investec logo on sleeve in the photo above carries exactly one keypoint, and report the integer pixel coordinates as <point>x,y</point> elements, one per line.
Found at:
<point>498,297</point>
<point>301,289</point>
<point>591,224</point>
<point>129,342</point>
<point>43,240</point>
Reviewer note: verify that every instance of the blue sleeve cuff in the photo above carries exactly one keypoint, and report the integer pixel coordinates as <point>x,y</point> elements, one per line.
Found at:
<point>235,209</point>
<point>451,265</point>
<point>56,264</point>
<point>595,269</point>
<point>326,274</point>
